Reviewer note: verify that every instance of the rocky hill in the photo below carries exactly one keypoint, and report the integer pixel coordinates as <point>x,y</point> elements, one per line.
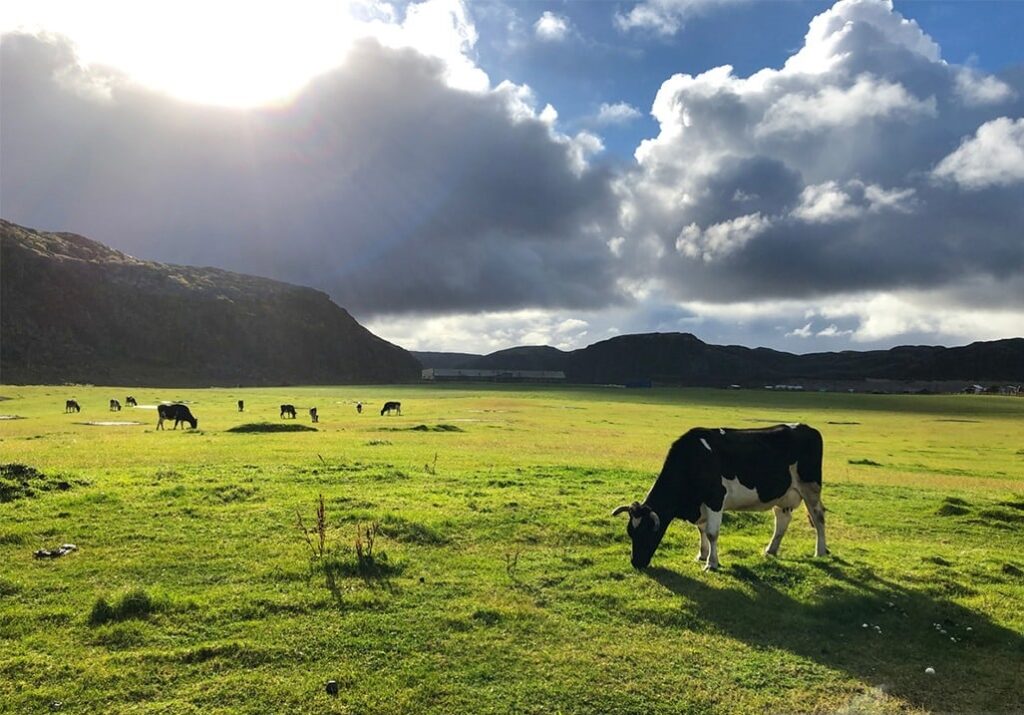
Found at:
<point>74,310</point>
<point>684,359</point>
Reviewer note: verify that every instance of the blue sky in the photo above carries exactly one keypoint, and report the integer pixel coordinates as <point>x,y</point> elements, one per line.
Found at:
<point>598,63</point>
<point>855,181</point>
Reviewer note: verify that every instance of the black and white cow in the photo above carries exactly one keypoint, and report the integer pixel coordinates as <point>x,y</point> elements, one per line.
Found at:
<point>178,413</point>
<point>709,471</point>
<point>241,405</point>
<point>71,406</point>
<point>130,401</point>
<point>390,407</point>
<point>314,416</point>
<point>288,411</point>
<point>115,406</point>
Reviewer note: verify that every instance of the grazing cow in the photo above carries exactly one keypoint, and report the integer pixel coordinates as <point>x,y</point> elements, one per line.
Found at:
<point>391,406</point>
<point>288,411</point>
<point>115,406</point>
<point>178,413</point>
<point>130,401</point>
<point>359,407</point>
<point>241,405</point>
<point>313,415</point>
<point>708,471</point>
<point>71,406</point>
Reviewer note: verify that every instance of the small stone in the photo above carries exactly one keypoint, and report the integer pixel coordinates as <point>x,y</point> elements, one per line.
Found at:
<point>929,671</point>
<point>969,628</point>
<point>332,687</point>
<point>942,631</point>
<point>865,625</point>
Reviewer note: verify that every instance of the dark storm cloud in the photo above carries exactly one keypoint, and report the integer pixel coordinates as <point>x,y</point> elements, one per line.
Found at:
<point>379,183</point>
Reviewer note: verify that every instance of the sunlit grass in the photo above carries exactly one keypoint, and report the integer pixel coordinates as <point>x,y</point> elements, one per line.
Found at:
<point>501,582</point>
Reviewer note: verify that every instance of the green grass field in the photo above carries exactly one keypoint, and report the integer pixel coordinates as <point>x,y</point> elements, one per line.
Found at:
<point>499,582</point>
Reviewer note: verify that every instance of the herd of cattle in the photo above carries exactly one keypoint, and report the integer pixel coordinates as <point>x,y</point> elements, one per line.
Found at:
<point>706,472</point>
<point>179,412</point>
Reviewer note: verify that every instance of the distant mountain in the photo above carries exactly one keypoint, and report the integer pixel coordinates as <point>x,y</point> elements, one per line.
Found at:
<point>684,359</point>
<point>443,360</point>
<point>531,357</point>
<point>74,310</point>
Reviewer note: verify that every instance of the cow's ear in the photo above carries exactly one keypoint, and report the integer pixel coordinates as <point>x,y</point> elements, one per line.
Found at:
<point>620,509</point>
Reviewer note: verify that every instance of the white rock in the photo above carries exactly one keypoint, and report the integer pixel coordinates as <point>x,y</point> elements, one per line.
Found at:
<point>929,670</point>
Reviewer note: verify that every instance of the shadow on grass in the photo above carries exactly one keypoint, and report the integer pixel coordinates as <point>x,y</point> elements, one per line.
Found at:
<point>375,572</point>
<point>877,631</point>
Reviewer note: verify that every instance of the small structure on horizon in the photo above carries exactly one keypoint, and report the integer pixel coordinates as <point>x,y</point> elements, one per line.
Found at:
<point>440,374</point>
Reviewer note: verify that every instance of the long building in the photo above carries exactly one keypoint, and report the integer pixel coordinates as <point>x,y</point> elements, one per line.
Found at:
<point>439,374</point>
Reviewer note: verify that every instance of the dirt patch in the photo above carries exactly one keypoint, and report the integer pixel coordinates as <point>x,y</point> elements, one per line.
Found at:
<point>110,423</point>
<point>842,423</point>
<point>11,417</point>
<point>271,427</point>
<point>951,419</point>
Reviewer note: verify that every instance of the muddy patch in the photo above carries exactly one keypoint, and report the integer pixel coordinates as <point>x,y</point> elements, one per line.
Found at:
<point>11,417</point>
<point>110,423</point>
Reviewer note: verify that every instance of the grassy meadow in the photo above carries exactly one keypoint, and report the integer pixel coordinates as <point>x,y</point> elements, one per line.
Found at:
<point>497,581</point>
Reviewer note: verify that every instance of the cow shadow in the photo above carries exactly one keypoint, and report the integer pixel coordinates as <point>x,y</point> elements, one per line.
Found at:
<point>883,633</point>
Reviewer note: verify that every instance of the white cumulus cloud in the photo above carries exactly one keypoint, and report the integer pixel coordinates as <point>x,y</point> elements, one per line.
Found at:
<point>994,156</point>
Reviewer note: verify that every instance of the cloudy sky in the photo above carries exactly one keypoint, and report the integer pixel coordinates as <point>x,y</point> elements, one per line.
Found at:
<point>469,177</point>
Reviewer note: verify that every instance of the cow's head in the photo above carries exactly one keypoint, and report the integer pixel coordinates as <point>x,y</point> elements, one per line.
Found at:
<point>644,529</point>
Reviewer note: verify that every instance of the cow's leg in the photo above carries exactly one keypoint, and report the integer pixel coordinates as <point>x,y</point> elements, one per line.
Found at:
<point>782,519</point>
<point>160,423</point>
<point>705,548</point>
<point>714,523</point>
<point>816,513</point>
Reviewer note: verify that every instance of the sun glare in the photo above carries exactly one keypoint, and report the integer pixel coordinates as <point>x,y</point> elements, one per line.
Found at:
<point>221,53</point>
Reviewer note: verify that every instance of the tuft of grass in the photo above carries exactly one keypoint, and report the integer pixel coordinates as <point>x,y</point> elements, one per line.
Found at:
<point>137,604</point>
<point>260,427</point>
<point>865,462</point>
<point>426,428</point>
<point>20,481</point>
<point>952,510</point>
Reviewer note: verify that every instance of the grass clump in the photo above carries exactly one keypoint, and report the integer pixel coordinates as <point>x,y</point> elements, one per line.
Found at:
<point>429,428</point>
<point>953,506</point>
<point>20,481</point>
<point>137,605</point>
<point>271,427</point>
<point>864,462</point>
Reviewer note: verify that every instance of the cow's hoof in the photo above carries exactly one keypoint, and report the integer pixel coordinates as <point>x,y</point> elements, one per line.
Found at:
<point>769,552</point>
<point>700,559</point>
<point>710,567</point>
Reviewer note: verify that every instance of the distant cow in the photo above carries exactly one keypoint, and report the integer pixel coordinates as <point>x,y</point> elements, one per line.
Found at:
<point>288,411</point>
<point>391,406</point>
<point>241,405</point>
<point>313,415</point>
<point>359,407</point>
<point>115,406</point>
<point>178,413</point>
<point>708,471</point>
<point>130,401</point>
<point>71,406</point>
